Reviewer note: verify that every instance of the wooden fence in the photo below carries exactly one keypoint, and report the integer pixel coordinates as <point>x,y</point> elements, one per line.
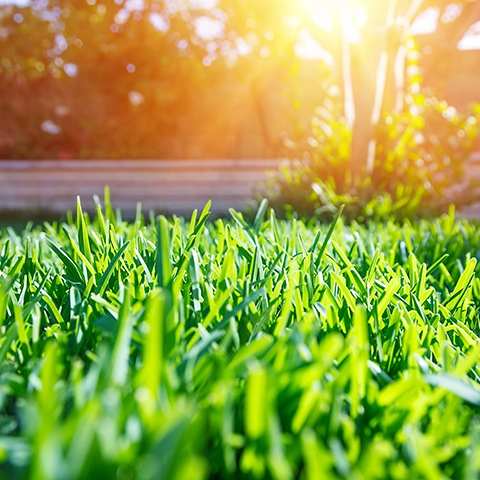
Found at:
<point>50,187</point>
<point>39,187</point>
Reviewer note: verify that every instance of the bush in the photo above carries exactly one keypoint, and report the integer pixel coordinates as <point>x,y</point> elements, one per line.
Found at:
<point>421,157</point>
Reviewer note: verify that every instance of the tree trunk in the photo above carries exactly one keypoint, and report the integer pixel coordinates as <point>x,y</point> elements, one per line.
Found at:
<point>370,61</point>
<point>364,68</point>
<point>373,71</point>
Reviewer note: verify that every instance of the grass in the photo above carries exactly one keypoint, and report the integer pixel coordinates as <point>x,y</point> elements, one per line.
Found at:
<point>163,349</point>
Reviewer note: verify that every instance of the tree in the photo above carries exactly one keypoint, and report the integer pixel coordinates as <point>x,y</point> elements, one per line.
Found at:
<point>103,66</point>
<point>94,55</point>
<point>371,68</point>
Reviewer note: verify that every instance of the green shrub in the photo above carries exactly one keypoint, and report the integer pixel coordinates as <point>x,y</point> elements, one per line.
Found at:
<point>419,170</point>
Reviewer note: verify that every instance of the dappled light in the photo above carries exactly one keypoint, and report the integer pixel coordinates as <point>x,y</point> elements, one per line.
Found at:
<point>176,53</point>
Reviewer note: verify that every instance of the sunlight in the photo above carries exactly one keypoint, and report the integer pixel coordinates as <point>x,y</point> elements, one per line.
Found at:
<point>326,4</point>
<point>348,13</point>
<point>320,13</point>
<point>309,49</point>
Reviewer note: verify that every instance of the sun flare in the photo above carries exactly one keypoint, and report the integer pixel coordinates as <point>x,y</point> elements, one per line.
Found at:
<point>329,15</point>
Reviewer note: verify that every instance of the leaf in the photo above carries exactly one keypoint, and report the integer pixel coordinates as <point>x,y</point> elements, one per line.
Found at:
<point>328,236</point>
<point>121,349</point>
<point>164,271</point>
<point>255,403</point>
<point>253,349</point>
<point>455,385</point>
<point>103,282</point>
<point>70,266</point>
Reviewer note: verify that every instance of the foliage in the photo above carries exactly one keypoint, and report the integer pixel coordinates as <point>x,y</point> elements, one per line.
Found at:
<point>94,69</point>
<point>232,350</point>
<point>76,75</point>
<point>421,159</point>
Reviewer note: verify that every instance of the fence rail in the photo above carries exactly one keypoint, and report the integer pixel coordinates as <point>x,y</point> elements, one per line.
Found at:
<point>167,186</point>
<point>29,187</point>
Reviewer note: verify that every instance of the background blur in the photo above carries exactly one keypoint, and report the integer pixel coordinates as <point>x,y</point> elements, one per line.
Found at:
<point>239,79</point>
<point>189,78</point>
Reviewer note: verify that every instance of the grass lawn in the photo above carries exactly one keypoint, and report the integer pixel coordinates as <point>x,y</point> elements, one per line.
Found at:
<point>183,350</point>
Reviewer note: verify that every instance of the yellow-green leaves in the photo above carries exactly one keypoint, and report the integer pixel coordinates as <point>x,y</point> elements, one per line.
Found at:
<point>163,263</point>
<point>256,403</point>
<point>360,354</point>
<point>149,377</point>
<point>461,288</point>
